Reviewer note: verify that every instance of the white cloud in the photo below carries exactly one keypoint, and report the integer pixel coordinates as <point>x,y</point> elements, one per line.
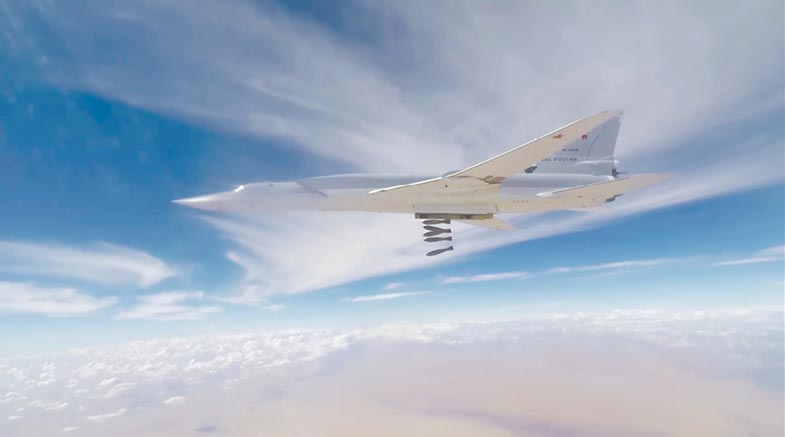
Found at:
<point>48,405</point>
<point>375,250</point>
<point>171,305</point>
<point>175,400</point>
<point>616,265</point>
<point>472,74</point>
<point>773,251</point>
<point>392,286</point>
<point>164,371</point>
<point>108,381</point>
<point>58,406</point>
<point>22,297</point>
<point>486,277</point>
<point>100,263</point>
<point>113,390</point>
<point>385,296</point>
<point>611,266</point>
<point>100,418</point>
<point>771,254</point>
<point>250,295</point>
<point>752,260</point>
<point>70,428</point>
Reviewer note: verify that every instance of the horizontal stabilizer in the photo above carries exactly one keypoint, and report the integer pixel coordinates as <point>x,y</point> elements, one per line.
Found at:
<point>607,190</point>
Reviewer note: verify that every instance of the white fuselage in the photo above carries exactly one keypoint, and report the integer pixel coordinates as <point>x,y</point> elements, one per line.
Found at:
<point>354,192</point>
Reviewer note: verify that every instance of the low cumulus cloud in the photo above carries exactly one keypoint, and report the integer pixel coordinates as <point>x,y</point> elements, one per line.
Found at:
<point>545,374</point>
<point>100,418</point>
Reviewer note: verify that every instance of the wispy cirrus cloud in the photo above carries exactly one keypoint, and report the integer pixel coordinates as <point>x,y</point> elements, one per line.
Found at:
<point>250,296</point>
<point>99,263</point>
<point>448,88</point>
<point>616,265</point>
<point>169,306</point>
<point>752,260</point>
<point>385,296</point>
<point>771,254</point>
<point>773,251</point>
<point>605,267</point>
<point>486,277</point>
<point>29,298</point>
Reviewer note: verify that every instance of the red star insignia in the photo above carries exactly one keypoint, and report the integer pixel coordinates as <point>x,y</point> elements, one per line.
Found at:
<point>558,136</point>
<point>584,137</point>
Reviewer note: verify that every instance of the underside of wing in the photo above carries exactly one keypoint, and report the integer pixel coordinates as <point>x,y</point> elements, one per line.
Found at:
<point>494,223</point>
<point>443,186</point>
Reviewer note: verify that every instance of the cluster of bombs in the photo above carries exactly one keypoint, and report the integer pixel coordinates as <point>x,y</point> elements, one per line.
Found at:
<point>436,234</point>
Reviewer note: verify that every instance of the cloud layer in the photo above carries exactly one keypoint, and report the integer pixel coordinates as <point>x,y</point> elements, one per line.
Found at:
<point>471,378</point>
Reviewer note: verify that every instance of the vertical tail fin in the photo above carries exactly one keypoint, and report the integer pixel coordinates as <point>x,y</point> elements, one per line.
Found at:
<point>591,154</point>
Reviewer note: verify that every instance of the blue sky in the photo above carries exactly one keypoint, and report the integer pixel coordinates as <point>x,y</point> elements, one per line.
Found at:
<point>111,111</point>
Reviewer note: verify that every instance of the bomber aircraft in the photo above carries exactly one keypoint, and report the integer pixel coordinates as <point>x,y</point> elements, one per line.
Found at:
<point>570,168</point>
